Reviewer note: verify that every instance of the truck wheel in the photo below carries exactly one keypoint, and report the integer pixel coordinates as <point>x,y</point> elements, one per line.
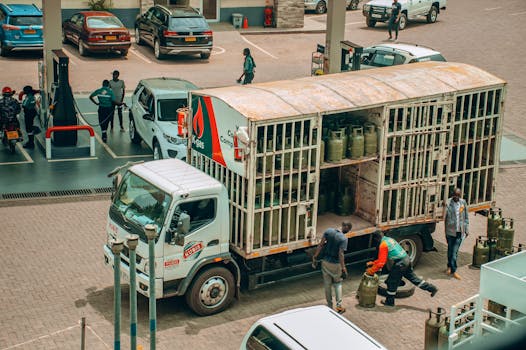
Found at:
<point>370,22</point>
<point>211,291</point>
<point>134,136</point>
<point>405,289</point>
<point>321,7</point>
<point>432,15</point>
<point>402,22</point>
<point>413,246</point>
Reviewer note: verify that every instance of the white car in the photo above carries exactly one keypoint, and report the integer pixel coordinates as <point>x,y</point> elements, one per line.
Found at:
<point>314,328</point>
<point>320,6</point>
<point>385,55</point>
<point>380,11</point>
<point>153,115</point>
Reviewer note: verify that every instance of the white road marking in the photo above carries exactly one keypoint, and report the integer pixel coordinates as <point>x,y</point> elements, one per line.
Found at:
<point>98,336</point>
<point>70,56</point>
<point>259,48</point>
<point>140,55</point>
<point>348,24</point>
<point>24,153</point>
<point>40,338</point>
<point>517,13</point>
<point>71,159</point>
<point>492,8</point>
<point>220,49</point>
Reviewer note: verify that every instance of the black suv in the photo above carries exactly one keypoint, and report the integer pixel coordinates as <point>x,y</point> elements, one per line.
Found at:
<point>173,30</point>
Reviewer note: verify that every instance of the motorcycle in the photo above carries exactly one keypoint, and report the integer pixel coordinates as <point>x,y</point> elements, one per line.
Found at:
<point>11,133</point>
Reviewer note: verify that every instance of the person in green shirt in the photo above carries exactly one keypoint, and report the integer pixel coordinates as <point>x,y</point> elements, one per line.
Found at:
<point>105,101</point>
<point>248,68</point>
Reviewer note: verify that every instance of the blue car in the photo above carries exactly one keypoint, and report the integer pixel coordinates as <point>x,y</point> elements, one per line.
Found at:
<point>20,28</point>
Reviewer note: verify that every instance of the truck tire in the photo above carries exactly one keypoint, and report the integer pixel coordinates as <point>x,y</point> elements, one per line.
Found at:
<point>321,7</point>
<point>370,22</point>
<point>402,22</point>
<point>413,246</point>
<point>405,290</point>
<point>432,15</point>
<point>211,291</point>
<point>134,135</point>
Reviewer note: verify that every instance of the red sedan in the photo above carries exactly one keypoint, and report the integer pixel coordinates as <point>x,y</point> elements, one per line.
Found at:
<point>96,31</point>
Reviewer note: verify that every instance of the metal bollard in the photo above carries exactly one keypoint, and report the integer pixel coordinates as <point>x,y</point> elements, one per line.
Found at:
<point>133,241</point>
<point>116,248</point>
<point>83,333</point>
<point>151,233</point>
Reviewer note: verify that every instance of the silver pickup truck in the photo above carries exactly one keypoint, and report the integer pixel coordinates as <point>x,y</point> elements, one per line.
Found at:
<point>380,11</point>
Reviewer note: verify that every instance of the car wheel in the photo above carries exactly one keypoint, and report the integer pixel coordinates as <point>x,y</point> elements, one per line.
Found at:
<point>82,49</point>
<point>157,152</point>
<point>138,38</point>
<point>432,15</point>
<point>321,7</point>
<point>370,22</point>
<point>402,22</point>
<point>211,291</point>
<point>404,290</point>
<point>124,53</point>
<point>64,38</point>
<point>354,4</point>
<point>205,55</point>
<point>134,136</point>
<point>413,247</point>
<point>157,50</point>
<point>3,51</point>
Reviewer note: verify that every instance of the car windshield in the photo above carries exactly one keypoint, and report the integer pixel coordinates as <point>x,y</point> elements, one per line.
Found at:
<point>141,202</point>
<point>26,21</point>
<point>436,57</point>
<point>104,22</point>
<point>187,23</point>
<point>167,110</point>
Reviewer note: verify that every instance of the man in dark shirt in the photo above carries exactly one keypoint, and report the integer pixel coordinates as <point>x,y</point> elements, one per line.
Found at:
<point>394,21</point>
<point>333,263</point>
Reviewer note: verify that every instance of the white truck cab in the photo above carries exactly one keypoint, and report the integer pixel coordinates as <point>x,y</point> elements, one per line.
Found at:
<point>314,328</point>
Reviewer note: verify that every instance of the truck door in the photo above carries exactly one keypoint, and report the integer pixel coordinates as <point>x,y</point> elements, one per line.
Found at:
<point>202,239</point>
<point>414,166</point>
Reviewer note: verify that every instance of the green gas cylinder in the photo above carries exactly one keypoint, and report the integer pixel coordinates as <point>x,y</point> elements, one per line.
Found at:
<point>371,140</point>
<point>345,203</point>
<point>322,203</point>
<point>367,290</point>
<point>271,230</point>
<point>505,237</point>
<point>432,329</point>
<point>492,247</point>
<point>344,141</point>
<point>480,252</point>
<point>331,200</point>
<point>357,148</point>
<point>443,335</point>
<point>335,146</point>
<point>257,228</point>
<point>285,223</point>
<point>494,221</point>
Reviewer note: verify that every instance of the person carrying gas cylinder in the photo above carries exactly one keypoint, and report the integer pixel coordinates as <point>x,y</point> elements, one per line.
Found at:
<point>389,249</point>
<point>29,105</point>
<point>9,107</point>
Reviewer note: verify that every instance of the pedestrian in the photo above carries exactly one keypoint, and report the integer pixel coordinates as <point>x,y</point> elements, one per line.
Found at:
<point>248,68</point>
<point>457,228</point>
<point>389,249</point>
<point>105,101</point>
<point>118,88</point>
<point>30,107</point>
<point>394,20</point>
<point>333,244</point>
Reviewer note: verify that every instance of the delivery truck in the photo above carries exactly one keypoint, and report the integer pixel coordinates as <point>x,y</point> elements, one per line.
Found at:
<point>271,166</point>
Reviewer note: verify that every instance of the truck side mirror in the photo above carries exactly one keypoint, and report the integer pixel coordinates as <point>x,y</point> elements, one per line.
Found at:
<point>183,226</point>
<point>147,116</point>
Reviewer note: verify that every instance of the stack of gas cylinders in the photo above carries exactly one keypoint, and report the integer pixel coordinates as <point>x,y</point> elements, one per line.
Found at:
<point>499,241</point>
<point>352,141</point>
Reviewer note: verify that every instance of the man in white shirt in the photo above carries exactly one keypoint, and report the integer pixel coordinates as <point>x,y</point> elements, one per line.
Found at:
<point>118,88</point>
<point>457,228</point>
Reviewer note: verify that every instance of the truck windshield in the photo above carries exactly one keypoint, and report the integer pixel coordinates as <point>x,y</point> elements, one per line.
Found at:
<point>141,203</point>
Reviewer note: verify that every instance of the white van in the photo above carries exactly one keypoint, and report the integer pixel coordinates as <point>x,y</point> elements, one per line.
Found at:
<point>314,328</point>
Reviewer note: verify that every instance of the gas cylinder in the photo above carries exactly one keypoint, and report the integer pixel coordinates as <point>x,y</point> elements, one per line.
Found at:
<point>480,252</point>
<point>432,329</point>
<point>322,152</point>
<point>271,232</point>
<point>443,335</point>
<point>345,203</point>
<point>492,245</point>
<point>357,148</point>
<point>322,203</point>
<point>367,290</point>
<point>335,147</point>
<point>505,237</point>
<point>371,140</point>
<point>494,221</point>
<point>257,227</point>
<point>285,223</point>
<point>331,200</point>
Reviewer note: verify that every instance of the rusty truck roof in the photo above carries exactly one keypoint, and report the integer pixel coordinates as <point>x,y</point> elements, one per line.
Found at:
<point>340,92</point>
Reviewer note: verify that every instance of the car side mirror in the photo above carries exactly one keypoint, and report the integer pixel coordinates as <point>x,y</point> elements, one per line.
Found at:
<point>147,116</point>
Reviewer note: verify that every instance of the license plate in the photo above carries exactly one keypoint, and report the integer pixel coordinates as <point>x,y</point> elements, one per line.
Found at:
<point>12,135</point>
<point>374,15</point>
<point>111,37</point>
<point>190,38</point>
<point>30,31</point>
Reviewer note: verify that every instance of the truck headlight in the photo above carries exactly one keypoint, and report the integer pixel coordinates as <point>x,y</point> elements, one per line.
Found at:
<point>174,140</point>
<point>366,8</point>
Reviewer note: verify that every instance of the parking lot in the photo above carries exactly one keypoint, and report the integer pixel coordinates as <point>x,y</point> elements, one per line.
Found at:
<point>53,272</point>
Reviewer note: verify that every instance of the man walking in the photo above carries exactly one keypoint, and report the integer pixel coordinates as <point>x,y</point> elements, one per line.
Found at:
<point>457,228</point>
<point>30,106</point>
<point>389,249</point>
<point>394,20</point>
<point>105,101</point>
<point>333,263</point>
<point>118,88</point>
<point>248,68</point>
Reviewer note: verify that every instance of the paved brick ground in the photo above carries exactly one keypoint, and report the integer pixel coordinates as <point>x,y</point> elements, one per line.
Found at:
<point>53,274</point>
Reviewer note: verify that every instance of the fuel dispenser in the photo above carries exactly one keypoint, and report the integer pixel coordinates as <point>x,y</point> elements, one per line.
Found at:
<point>62,107</point>
<point>351,55</point>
